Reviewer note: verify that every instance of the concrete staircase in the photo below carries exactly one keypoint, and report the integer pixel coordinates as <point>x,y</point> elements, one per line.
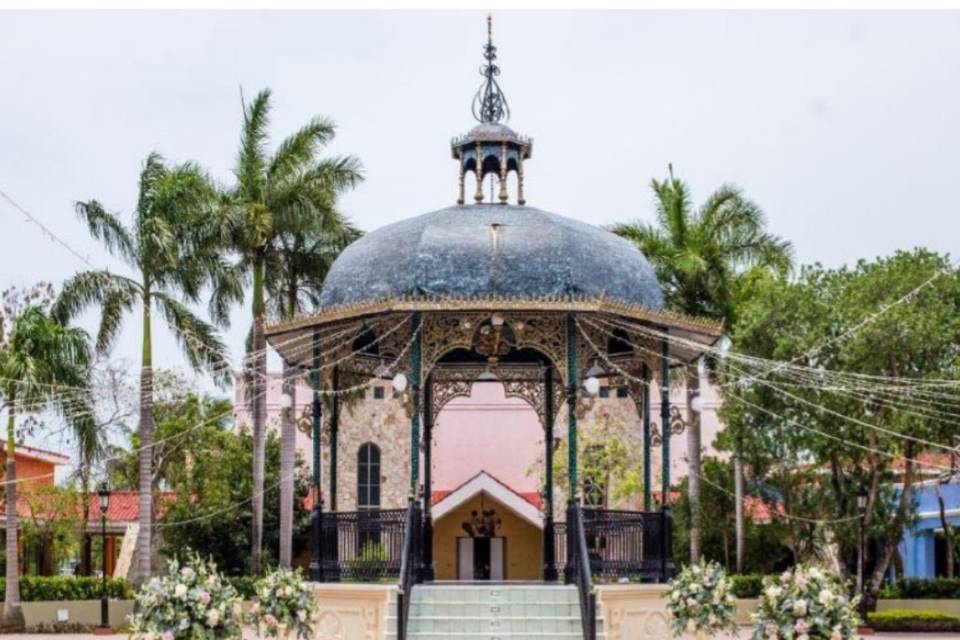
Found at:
<point>485,611</point>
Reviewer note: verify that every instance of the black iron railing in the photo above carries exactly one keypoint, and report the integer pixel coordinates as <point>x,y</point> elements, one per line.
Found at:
<point>626,544</point>
<point>362,546</point>
<point>409,565</point>
<point>631,545</point>
<point>581,570</point>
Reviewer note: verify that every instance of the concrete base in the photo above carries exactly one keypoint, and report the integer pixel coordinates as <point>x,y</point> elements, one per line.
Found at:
<point>351,611</point>
<point>86,612</point>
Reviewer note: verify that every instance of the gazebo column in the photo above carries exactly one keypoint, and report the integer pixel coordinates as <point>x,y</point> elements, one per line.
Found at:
<point>666,566</point>
<point>549,542</point>
<point>334,432</point>
<point>647,466</point>
<point>428,573</point>
<point>316,514</point>
<point>332,541</point>
<point>415,351</point>
<point>571,440</point>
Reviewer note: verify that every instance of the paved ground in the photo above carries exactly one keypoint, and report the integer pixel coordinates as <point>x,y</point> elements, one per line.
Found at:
<point>250,635</point>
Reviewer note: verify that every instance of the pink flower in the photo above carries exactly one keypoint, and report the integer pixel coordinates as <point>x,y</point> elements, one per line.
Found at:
<point>801,581</point>
<point>772,631</point>
<point>205,597</point>
<point>167,635</point>
<point>800,626</point>
<point>269,619</point>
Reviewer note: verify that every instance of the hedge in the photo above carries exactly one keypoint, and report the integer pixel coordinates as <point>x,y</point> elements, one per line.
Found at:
<point>747,585</point>
<point>916,589</point>
<point>246,586</point>
<point>911,620</point>
<point>37,588</point>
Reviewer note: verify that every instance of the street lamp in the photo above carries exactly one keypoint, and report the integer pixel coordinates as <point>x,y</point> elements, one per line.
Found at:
<point>104,495</point>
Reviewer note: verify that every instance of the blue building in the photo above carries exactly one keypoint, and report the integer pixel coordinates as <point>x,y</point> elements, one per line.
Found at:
<point>923,548</point>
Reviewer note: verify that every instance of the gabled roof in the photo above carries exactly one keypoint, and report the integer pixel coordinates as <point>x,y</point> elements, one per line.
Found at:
<point>36,453</point>
<point>483,482</point>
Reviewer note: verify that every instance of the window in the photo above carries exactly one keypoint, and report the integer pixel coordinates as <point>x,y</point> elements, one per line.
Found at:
<point>368,476</point>
<point>378,392</point>
<point>622,392</point>
<point>604,391</point>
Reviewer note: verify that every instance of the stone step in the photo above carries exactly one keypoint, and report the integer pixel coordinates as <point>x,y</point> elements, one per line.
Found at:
<point>494,609</point>
<point>483,625</point>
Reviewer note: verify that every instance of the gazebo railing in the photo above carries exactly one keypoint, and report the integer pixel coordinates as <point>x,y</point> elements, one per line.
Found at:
<point>363,546</point>
<point>631,545</point>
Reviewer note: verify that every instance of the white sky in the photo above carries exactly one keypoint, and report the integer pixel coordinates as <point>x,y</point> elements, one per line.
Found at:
<point>842,126</point>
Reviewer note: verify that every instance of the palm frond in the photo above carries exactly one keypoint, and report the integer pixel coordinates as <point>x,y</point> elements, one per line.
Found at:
<point>95,287</point>
<point>251,161</point>
<point>198,340</point>
<point>299,150</point>
<point>106,227</point>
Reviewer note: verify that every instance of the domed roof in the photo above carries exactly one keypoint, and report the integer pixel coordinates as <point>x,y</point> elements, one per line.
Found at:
<point>491,251</point>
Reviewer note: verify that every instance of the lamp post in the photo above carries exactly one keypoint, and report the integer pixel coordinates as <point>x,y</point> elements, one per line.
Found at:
<point>104,495</point>
<point>862,507</point>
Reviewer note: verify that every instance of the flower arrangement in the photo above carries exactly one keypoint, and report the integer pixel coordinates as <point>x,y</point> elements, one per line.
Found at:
<point>284,604</point>
<point>192,602</point>
<point>701,599</point>
<point>805,603</point>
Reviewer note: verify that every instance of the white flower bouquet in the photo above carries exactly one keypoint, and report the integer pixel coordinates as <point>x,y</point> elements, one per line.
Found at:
<point>192,602</point>
<point>284,604</point>
<point>701,599</point>
<point>805,603</point>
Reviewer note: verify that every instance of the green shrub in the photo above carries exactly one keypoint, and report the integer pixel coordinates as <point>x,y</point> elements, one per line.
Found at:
<point>747,585</point>
<point>912,620</point>
<point>37,588</point>
<point>918,588</point>
<point>246,586</point>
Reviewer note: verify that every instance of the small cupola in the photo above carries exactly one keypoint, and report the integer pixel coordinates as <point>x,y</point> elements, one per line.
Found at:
<point>491,147</point>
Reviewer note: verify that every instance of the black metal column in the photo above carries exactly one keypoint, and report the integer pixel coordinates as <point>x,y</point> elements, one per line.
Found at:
<point>572,477</point>
<point>647,461</point>
<point>316,514</point>
<point>428,573</point>
<point>666,568</point>
<point>549,542</point>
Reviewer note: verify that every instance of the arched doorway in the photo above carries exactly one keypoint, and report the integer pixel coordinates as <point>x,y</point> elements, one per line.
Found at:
<point>487,487</point>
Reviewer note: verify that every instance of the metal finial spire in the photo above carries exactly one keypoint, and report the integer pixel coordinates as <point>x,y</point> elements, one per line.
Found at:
<point>489,103</point>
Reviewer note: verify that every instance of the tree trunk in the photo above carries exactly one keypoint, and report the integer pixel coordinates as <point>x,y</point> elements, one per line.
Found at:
<point>288,452</point>
<point>693,460</point>
<point>947,530</point>
<point>145,476</point>
<point>738,509</point>
<point>12,613</point>
<point>259,416</point>
<point>903,511</point>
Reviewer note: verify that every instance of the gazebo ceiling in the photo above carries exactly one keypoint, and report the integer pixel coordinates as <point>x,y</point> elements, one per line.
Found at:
<point>491,251</point>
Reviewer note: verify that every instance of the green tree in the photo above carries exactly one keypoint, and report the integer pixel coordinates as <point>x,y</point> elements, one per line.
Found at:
<point>769,545</point>
<point>211,477</point>
<point>276,197</point>
<point>170,249</point>
<point>38,356</point>
<point>861,434</point>
<point>701,257</point>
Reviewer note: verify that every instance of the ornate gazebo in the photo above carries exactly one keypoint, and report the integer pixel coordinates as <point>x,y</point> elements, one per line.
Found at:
<point>493,291</point>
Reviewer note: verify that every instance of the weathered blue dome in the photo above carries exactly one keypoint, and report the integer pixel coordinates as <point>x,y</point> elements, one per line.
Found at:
<point>491,251</point>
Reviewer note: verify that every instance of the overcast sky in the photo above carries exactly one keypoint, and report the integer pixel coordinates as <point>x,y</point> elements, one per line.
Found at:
<point>842,126</point>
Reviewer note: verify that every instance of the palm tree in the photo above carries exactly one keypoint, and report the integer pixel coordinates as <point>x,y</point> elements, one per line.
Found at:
<point>293,286</point>
<point>171,254</point>
<point>700,257</point>
<point>287,192</point>
<point>39,358</point>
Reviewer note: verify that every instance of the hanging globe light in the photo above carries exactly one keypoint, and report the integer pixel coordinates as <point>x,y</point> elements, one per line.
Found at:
<point>400,382</point>
<point>592,385</point>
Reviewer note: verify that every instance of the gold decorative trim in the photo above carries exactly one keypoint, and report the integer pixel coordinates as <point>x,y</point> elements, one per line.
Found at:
<point>704,326</point>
